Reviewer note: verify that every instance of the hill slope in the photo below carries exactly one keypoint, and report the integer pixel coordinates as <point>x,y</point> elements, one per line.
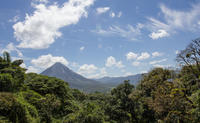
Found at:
<point>75,80</point>
<point>114,81</point>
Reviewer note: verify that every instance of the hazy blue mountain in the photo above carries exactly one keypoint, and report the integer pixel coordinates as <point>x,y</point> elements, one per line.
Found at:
<point>114,81</point>
<point>75,80</point>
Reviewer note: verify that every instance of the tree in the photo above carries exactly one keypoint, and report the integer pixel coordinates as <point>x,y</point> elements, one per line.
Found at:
<point>120,107</point>
<point>16,109</point>
<point>11,74</point>
<point>6,57</point>
<point>190,57</point>
<point>152,80</point>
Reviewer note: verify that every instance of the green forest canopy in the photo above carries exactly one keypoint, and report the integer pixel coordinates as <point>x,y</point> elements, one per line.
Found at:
<point>162,95</point>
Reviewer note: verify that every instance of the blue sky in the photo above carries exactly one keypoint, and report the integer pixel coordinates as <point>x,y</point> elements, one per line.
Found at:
<point>98,38</point>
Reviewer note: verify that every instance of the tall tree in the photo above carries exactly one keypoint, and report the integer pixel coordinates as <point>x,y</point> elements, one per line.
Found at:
<point>190,57</point>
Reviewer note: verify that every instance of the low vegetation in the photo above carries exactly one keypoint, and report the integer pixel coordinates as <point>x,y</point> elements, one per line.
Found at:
<point>162,96</point>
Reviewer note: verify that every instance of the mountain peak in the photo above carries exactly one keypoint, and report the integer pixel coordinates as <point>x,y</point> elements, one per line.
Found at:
<point>75,80</point>
<point>58,64</point>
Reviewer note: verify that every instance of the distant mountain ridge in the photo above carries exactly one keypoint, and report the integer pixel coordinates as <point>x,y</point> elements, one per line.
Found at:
<point>114,81</point>
<point>75,80</point>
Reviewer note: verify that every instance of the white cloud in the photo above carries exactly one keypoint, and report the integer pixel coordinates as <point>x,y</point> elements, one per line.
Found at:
<point>42,1</point>
<point>157,61</point>
<point>46,61</point>
<point>111,61</point>
<point>159,34</point>
<point>87,69</point>
<point>112,14</point>
<point>162,66</point>
<point>128,74</point>
<point>74,64</point>
<point>40,29</point>
<point>14,19</point>
<point>175,20</point>
<point>155,25</point>
<point>102,10</point>
<point>10,48</point>
<point>103,71</point>
<point>144,71</point>
<point>136,63</point>
<point>177,52</point>
<point>100,73</point>
<point>131,55</point>
<point>182,19</point>
<point>32,69</point>
<point>130,32</point>
<point>119,14</point>
<point>82,48</point>
<point>144,55</point>
<point>156,54</point>
<point>23,65</point>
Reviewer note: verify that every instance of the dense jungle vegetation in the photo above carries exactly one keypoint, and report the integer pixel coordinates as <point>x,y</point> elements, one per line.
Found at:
<point>162,96</point>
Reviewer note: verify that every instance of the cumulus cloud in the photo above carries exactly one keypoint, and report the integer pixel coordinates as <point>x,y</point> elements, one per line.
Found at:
<point>74,64</point>
<point>128,74</point>
<point>144,55</point>
<point>131,55</point>
<point>136,63</point>
<point>45,61</point>
<point>10,48</point>
<point>23,65</point>
<point>40,29</point>
<point>82,48</point>
<point>144,71</point>
<point>112,14</point>
<point>141,56</point>
<point>119,14</point>
<point>157,61</point>
<point>129,32</point>
<point>156,54</point>
<point>87,69</point>
<point>99,74</point>
<point>111,62</point>
<point>14,19</point>
<point>175,20</point>
<point>159,34</point>
<point>102,10</point>
<point>32,69</point>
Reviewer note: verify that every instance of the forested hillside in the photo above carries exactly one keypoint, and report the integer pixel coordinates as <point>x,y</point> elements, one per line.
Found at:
<point>162,96</point>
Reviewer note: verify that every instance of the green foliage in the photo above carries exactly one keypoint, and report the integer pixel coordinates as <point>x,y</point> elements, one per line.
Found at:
<point>56,99</point>
<point>11,74</point>
<point>6,82</point>
<point>6,57</point>
<point>162,95</point>
<point>16,109</point>
<point>120,107</point>
<point>151,81</point>
<point>78,95</point>
<point>196,110</point>
<point>48,85</point>
<point>189,80</point>
<point>89,113</point>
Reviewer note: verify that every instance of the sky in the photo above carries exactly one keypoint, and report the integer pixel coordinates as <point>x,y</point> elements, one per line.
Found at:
<point>98,38</point>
